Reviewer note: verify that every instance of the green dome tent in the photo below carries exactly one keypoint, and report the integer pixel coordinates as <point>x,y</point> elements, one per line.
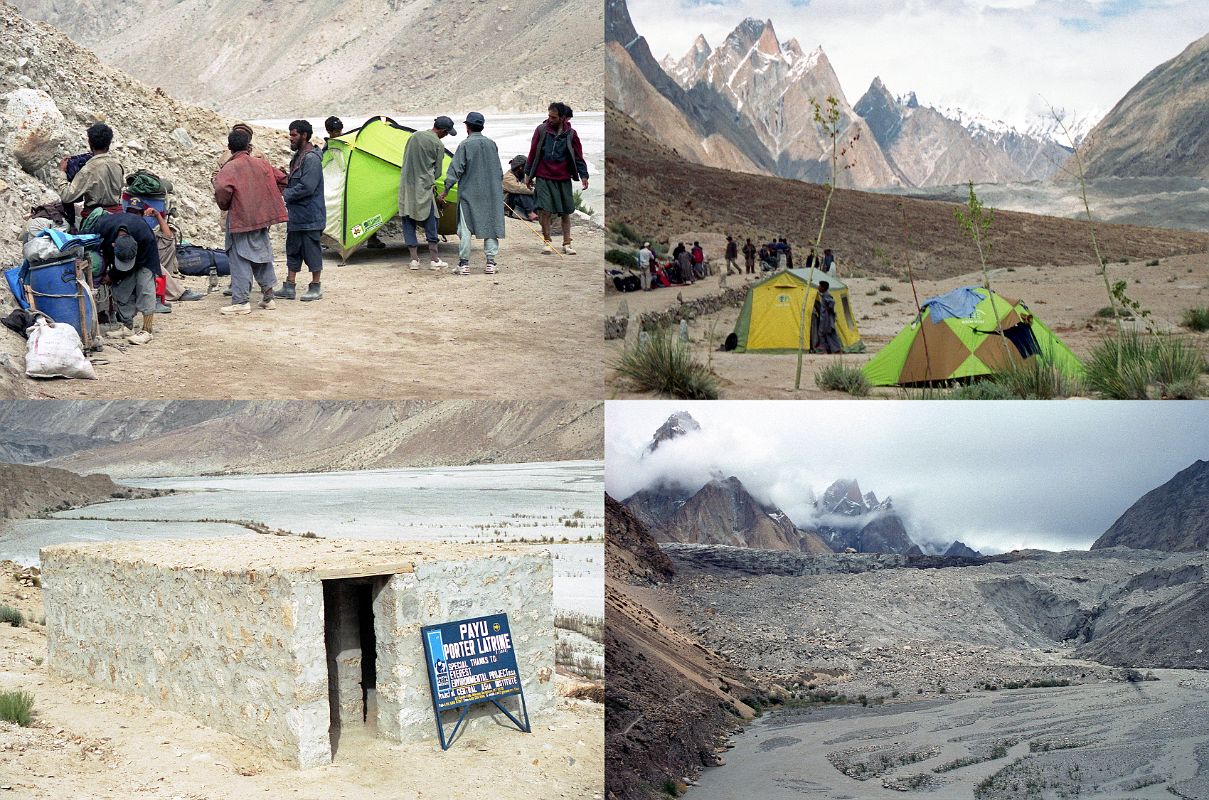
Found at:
<point>361,171</point>
<point>956,336</point>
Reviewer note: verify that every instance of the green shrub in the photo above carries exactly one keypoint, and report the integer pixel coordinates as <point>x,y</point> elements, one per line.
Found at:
<point>989,389</point>
<point>17,707</point>
<point>838,377</point>
<point>1161,366</point>
<point>12,616</point>
<point>885,287</point>
<point>580,205</point>
<point>1176,368</point>
<point>1196,319</point>
<point>664,364</point>
<point>623,258</point>
<point>624,231</point>
<point>1036,380</point>
<point>1107,313</point>
<point>1152,263</point>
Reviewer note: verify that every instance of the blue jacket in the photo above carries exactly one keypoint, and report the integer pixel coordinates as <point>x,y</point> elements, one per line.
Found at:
<point>303,193</point>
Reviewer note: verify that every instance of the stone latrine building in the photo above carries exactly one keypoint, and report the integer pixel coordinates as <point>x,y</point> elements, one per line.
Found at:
<point>290,641</point>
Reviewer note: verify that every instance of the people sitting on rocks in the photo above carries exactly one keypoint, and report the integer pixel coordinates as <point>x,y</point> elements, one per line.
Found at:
<point>98,182</point>
<point>517,196</point>
<point>132,263</point>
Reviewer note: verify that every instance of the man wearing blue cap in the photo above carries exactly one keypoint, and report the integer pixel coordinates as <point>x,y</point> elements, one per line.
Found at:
<point>475,169</point>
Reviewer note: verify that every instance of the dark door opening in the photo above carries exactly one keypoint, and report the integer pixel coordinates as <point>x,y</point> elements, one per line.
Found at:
<point>348,632</point>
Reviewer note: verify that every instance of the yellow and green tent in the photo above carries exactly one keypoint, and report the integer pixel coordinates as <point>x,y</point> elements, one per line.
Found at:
<point>361,171</point>
<point>772,312</point>
<point>949,341</point>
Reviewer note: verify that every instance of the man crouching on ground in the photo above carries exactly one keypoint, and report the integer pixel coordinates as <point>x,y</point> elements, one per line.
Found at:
<point>303,195</point>
<point>132,260</point>
<point>246,188</point>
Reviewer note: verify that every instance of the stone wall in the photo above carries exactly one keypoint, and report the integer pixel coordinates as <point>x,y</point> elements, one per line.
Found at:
<point>241,651</point>
<point>616,326</point>
<point>521,586</point>
<point>244,651</point>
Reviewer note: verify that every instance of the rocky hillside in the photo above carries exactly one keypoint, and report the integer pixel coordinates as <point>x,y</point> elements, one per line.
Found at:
<point>861,522</point>
<point>1160,127</point>
<point>724,512</point>
<point>669,701</point>
<point>698,124</point>
<point>274,60</point>
<point>27,491</point>
<point>48,109</point>
<point>662,195</point>
<point>1175,516</point>
<point>192,437</point>
<point>770,85</point>
<point>927,148</point>
<point>631,553</point>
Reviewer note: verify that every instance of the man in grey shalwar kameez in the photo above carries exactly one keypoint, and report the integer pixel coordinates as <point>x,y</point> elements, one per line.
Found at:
<point>475,169</point>
<point>422,157</point>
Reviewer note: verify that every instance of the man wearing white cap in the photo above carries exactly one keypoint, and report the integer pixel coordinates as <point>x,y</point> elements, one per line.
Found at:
<point>644,265</point>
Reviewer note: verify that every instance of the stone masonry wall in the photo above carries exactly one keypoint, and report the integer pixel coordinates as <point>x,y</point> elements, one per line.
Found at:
<point>521,586</point>
<point>241,651</point>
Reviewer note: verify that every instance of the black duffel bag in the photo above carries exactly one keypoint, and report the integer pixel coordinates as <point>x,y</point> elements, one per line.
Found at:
<point>194,260</point>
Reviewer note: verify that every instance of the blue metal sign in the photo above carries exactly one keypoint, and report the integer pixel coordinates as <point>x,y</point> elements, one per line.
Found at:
<point>472,661</point>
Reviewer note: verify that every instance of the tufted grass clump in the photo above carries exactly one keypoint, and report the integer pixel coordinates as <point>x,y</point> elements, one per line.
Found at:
<point>663,364</point>
<point>838,377</point>
<point>17,707</point>
<point>1130,366</point>
<point>12,616</point>
<point>1196,319</point>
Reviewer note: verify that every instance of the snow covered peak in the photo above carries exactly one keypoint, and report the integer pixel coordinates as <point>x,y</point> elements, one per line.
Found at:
<point>677,425</point>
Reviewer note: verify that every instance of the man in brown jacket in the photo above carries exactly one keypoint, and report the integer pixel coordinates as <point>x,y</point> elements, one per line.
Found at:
<point>99,182</point>
<point>246,188</point>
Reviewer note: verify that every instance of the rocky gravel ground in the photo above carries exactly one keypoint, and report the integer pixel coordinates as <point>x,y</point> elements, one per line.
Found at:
<point>901,634</point>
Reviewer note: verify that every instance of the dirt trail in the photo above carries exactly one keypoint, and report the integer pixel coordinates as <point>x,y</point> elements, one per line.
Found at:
<point>88,742</point>
<point>381,331</point>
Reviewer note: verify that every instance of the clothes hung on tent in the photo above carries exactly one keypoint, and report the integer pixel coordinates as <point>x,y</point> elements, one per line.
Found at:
<point>972,344</point>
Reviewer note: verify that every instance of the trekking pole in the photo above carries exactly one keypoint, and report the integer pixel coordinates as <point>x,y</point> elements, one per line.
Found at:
<point>529,224</point>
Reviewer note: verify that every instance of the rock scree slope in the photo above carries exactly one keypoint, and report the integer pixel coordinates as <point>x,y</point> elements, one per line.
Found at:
<point>1174,516</point>
<point>272,59</point>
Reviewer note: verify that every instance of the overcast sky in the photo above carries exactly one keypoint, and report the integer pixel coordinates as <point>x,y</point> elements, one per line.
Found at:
<point>998,476</point>
<point>996,57</point>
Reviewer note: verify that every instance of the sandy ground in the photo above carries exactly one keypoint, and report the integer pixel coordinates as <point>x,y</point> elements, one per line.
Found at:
<point>91,743</point>
<point>381,331</point>
<point>1102,740</point>
<point>1065,298</point>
